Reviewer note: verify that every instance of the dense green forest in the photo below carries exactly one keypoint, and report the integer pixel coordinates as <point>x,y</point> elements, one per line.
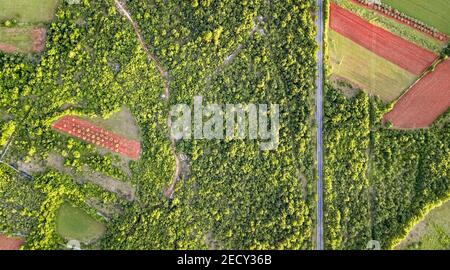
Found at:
<point>378,181</point>
<point>231,194</point>
<point>346,161</point>
<point>235,195</point>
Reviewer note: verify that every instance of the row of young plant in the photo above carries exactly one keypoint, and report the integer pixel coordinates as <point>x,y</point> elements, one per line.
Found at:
<point>394,13</point>
<point>398,29</point>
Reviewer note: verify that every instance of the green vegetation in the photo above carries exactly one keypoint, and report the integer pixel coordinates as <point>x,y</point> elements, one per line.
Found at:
<point>28,11</point>
<point>19,205</point>
<point>57,189</point>
<point>393,26</point>
<point>369,71</point>
<point>74,223</point>
<point>434,13</point>
<point>229,191</point>
<point>22,24</point>
<point>230,194</point>
<point>120,122</point>
<point>346,142</point>
<point>431,233</point>
<point>18,37</point>
<point>410,174</point>
<point>446,52</point>
<point>94,65</point>
<point>379,181</point>
<point>7,130</point>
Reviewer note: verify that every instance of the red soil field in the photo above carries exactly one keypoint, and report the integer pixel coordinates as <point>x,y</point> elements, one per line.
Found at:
<point>38,34</point>
<point>424,102</point>
<point>87,132</point>
<point>10,243</point>
<point>399,51</point>
<point>7,48</point>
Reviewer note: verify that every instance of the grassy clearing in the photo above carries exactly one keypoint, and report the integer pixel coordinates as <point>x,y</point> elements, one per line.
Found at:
<point>18,37</point>
<point>365,69</point>
<point>432,233</point>
<point>393,26</point>
<point>28,11</point>
<point>121,123</point>
<point>74,223</point>
<point>434,13</point>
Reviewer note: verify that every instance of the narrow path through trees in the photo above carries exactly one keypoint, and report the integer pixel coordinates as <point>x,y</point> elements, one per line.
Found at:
<point>165,75</point>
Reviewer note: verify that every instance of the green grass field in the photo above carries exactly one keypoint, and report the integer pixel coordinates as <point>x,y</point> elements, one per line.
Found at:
<point>74,223</point>
<point>432,233</point>
<point>27,11</point>
<point>121,123</point>
<point>19,37</point>
<point>432,12</point>
<point>365,69</point>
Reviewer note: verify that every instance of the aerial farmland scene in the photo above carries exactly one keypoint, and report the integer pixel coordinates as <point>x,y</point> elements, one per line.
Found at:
<point>224,125</point>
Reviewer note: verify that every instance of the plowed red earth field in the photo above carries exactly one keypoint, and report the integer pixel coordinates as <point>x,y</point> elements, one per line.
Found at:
<point>87,132</point>
<point>381,42</point>
<point>424,102</point>
<point>10,243</point>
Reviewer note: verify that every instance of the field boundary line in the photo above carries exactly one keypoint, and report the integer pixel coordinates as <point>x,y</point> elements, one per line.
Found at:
<point>383,43</point>
<point>425,73</point>
<point>371,7</point>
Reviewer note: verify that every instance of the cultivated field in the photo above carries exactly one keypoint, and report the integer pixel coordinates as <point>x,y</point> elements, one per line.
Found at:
<point>432,12</point>
<point>15,39</point>
<point>87,175</point>
<point>22,39</point>
<point>432,233</point>
<point>399,29</point>
<point>367,70</point>
<point>10,243</point>
<point>29,35</point>
<point>402,18</point>
<point>90,133</point>
<point>74,223</point>
<point>424,102</point>
<point>383,43</point>
<point>121,123</point>
<point>28,11</point>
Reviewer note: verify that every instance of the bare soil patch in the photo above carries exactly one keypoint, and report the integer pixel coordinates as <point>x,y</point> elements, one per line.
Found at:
<point>85,131</point>
<point>122,189</point>
<point>7,48</point>
<point>38,36</point>
<point>424,102</point>
<point>10,243</point>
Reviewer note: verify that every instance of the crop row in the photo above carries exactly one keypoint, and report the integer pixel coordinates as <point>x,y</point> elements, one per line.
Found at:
<point>396,14</point>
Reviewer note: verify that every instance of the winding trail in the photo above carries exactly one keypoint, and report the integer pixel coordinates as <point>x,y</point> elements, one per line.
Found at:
<point>150,56</point>
<point>319,119</point>
<point>165,75</point>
